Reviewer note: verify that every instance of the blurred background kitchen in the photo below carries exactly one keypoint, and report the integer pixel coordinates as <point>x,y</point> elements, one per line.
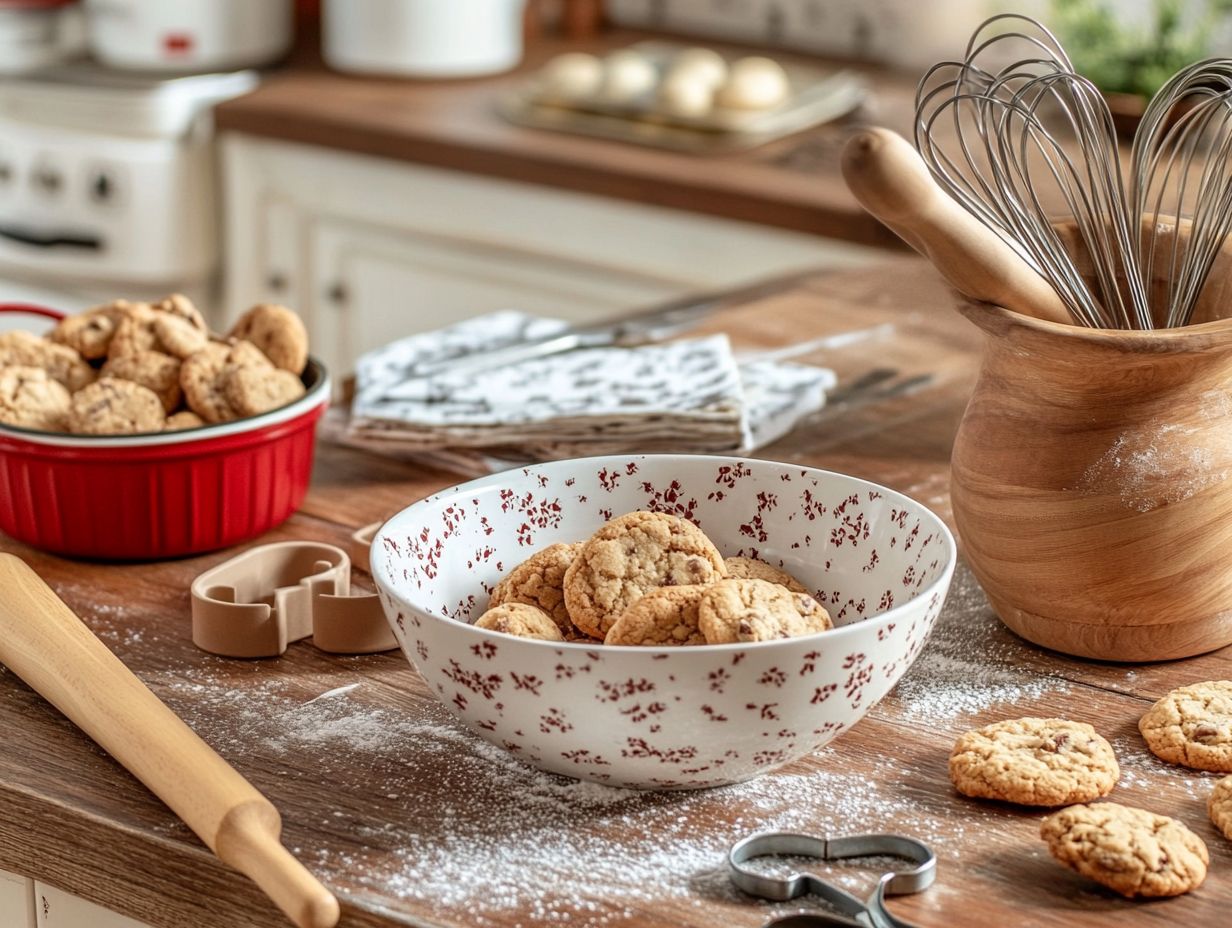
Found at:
<point>386,167</point>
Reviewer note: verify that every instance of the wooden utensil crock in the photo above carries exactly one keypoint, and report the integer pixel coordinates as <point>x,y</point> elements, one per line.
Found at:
<point>1092,482</point>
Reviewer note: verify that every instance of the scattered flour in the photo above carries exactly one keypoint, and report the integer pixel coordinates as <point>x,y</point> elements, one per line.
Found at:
<point>1154,467</point>
<point>468,833</point>
<point>476,834</point>
<point>971,663</point>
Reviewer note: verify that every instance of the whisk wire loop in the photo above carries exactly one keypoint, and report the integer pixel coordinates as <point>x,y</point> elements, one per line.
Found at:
<point>1014,139</point>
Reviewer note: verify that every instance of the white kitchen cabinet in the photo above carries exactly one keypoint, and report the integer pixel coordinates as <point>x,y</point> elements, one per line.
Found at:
<point>369,249</point>
<point>378,285</point>
<point>54,908</point>
<point>16,901</point>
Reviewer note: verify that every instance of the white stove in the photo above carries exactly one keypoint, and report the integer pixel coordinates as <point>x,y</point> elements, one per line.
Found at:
<point>107,181</point>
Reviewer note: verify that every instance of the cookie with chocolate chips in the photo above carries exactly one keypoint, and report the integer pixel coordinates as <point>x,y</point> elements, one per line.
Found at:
<point>1034,762</point>
<point>521,621</point>
<point>631,556</point>
<point>1192,726</point>
<point>1129,850</point>
<point>745,611</point>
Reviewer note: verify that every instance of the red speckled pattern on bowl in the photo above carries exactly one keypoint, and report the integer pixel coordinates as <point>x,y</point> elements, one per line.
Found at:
<point>666,718</point>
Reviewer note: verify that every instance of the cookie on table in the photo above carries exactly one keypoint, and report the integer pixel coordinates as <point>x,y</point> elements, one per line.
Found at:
<point>254,390</point>
<point>747,568</point>
<point>631,556</point>
<point>90,333</point>
<point>756,610</point>
<point>521,621</point>
<point>1192,726</point>
<point>24,349</point>
<point>1129,850</point>
<point>1034,762</point>
<point>184,419</point>
<point>115,407</point>
<point>667,616</point>
<point>31,398</point>
<point>153,370</point>
<point>540,581</point>
<point>203,377</point>
<point>278,332</point>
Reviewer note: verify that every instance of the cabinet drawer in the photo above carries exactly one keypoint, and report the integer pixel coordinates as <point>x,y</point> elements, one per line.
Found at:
<point>54,908</point>
<point>16,901</point>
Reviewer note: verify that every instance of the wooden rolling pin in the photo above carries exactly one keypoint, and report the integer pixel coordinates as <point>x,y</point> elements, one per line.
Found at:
<point>45,644</point>
<point>891,181</point>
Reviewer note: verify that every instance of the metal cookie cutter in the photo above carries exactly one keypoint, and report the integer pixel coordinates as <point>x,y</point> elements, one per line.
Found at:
<point>260,601</point>
<point>869,914</point>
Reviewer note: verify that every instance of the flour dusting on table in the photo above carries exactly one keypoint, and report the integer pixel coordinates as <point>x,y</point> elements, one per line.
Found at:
<point>478,833</point>
<point>970,663</point>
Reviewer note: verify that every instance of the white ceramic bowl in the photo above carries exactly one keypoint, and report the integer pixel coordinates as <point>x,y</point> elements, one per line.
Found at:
<point>666,718</point>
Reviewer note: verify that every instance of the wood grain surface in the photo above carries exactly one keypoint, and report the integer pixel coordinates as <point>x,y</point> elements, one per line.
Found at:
<point>406,818</point>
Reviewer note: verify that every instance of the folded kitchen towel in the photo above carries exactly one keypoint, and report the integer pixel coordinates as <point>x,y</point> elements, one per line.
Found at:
<point>686,395</point>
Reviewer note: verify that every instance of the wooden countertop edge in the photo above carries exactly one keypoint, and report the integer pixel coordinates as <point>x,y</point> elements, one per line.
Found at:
<point>846,221</point>
<point>121,883</point>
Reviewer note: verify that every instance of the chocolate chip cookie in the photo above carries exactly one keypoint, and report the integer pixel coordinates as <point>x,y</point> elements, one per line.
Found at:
<point>115,407</point>
<point>182,420</point>
<point>153,370</point>
<point>203,377</point>
<point>757,610</point>
<point>1192,726</point>
<point>181,307</point>
<point>1034,762</point>
<point>631,556</point>
<point>747,568</point>
<point>90,333</point>
<point>254,390</point>
<point>24,349</point>
<point>540,581</point>
<point>134,331</point>
<point>178,337</point>
<point>1132,851</point>
<point>667,616</point>
<point>521,621</point>
<point>32,399</point>
<point>1219,807</point>
<point>278,332</point>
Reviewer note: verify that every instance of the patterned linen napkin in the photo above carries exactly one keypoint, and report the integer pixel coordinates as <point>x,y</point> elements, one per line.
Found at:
<point>687,395</point>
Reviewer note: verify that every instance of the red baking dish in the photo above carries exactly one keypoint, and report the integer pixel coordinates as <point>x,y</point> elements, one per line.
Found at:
<point>168,494</point>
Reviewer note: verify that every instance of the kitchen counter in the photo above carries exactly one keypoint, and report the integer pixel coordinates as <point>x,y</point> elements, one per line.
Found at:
<point>412,821</point>
<point>793,183</point>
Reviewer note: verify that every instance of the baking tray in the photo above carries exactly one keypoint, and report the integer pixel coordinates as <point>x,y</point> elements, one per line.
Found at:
<point>818,96</point>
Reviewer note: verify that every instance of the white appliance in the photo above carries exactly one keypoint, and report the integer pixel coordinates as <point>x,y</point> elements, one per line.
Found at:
<point>422,38</point>
<point>37,33</point>
<point>190,36</point>
<point>107,181</point>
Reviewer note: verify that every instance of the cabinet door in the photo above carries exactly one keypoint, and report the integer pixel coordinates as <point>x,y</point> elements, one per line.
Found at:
<point>16,901</point>
<point>55,908</point>
<point>373,285</point>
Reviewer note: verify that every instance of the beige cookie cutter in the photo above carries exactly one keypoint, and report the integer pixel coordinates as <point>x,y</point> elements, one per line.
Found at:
<point>260,601</point>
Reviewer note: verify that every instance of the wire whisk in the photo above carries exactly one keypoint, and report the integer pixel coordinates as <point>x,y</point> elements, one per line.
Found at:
<point>1028,146</point>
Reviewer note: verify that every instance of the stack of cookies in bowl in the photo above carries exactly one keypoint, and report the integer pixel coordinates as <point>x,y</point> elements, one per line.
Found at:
<point>127,368</point>
<point>653,579</point>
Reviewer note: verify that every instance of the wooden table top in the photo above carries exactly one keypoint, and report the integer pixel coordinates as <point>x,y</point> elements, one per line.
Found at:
<point>412,821</point>
<point>793,183</point>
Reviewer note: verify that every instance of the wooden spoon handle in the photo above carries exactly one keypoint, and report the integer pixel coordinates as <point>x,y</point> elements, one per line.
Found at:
<point>891,181</point>
<point>45,644</point>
